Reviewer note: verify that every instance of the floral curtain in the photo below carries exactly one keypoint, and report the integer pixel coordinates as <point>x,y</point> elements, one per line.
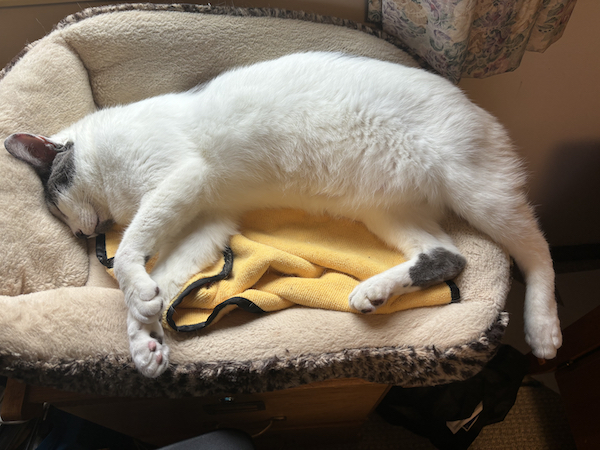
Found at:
<point>472,38</point>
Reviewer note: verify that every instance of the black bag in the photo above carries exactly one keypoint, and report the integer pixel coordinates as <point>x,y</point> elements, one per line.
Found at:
<point>452,415</point>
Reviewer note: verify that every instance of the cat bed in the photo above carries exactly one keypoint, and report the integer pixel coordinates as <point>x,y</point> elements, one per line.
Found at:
<point>63,317</point>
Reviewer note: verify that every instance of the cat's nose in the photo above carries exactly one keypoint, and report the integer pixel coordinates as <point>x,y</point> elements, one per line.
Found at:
<point>81,235</point>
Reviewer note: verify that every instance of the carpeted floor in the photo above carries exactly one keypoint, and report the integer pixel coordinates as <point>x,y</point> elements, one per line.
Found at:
<point>536,422</point>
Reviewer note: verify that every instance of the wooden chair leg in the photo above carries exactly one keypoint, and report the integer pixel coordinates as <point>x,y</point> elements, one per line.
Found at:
<point>15,407</point>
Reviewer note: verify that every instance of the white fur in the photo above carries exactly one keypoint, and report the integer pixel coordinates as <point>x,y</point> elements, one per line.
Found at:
<point>391,146</point>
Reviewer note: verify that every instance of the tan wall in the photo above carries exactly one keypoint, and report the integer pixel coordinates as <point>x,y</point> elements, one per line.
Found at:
<point>20,25</point>
<point>549,105</point>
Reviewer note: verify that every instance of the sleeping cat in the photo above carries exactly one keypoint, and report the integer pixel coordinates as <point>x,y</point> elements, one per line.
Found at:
<point>391,146</point>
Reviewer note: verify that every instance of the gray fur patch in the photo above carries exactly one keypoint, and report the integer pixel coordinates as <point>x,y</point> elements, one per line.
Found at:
<point>436,266</point>
<point>62,173</point>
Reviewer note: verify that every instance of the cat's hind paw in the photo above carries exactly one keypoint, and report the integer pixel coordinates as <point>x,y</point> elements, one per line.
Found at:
<point>544,337</point>
<point>149,353</point>
<point>371,294</point>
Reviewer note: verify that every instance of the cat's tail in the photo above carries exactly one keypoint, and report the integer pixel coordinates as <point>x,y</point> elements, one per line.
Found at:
<point>505,215</point>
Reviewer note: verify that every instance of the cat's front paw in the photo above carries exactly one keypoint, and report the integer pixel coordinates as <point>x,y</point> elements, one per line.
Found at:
<point>371,294</point>
<point>142,294</point>
<point>144,300</point>
<point>544,336</point>
<point>146,343</point>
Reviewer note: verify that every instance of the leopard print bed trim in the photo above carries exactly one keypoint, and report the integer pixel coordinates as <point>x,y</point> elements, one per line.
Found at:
<point>400,366</point>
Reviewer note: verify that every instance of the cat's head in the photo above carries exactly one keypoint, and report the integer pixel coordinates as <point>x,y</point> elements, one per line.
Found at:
<point>55,163</point>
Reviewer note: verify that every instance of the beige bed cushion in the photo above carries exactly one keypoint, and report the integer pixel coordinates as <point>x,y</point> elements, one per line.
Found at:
<point>63,333</point>
<point>36,251</point>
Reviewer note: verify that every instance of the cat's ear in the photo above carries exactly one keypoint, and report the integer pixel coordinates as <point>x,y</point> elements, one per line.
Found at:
<point>37,151</point>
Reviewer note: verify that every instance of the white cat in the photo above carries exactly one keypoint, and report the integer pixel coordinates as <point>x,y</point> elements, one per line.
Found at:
<point>391,146</point>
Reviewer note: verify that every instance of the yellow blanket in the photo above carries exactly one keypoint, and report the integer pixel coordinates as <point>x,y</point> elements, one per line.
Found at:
<point>283,258</point>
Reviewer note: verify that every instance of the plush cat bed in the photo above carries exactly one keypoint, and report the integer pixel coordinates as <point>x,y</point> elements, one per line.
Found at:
<point>63,318</point>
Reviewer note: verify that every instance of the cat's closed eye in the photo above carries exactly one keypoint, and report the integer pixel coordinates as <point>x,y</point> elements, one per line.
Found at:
<point>55,210</point>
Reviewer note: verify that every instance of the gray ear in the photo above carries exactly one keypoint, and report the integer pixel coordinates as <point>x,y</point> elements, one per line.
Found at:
<point>36,151</point>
